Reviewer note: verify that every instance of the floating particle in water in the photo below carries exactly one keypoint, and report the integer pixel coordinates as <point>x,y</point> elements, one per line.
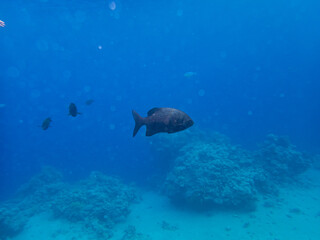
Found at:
<point>228,229</point>
<point>250,113</point>
<point>201,92</point>
<point>2,105</point>
<point>113,108</point>
<point>99,47</point>
<point>246,225</point>
<point>179,12</point>
<point>2,24</point>
<point>282,95</point>
<point>80,16</point>
<point>35,93</point>
<point>89,102</point>
<point>42,45</point>
<point>119,98</point>
<point>66,75</point>
<point>112,6</point>
<point>13,72</point>
<point>223,55</point>
<point>87,88</point>
<point>189,74</point>
<point>112,126</point>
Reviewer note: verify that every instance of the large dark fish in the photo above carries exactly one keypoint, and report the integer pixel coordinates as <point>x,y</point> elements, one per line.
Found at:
<point>46,123</point>
<point>73,110</point>
<point>168,120</point>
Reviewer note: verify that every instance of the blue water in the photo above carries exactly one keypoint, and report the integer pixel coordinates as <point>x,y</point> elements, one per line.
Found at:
<point>255,68</point>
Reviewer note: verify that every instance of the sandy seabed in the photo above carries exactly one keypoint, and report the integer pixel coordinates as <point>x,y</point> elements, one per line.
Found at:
<point>294,215</point>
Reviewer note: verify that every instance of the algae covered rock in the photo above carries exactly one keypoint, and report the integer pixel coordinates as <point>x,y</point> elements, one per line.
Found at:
<point>32,198</point>
<point>210,174</point>
<point>11,222</point>
<point>96,203</point>
<point>281,160</point>
<point>207,170</point>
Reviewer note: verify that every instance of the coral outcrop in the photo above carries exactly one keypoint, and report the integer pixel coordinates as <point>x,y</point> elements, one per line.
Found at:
<point>206,170</point>
<point>212,173</point>
<point>97,203</point>
<point>281,160</point>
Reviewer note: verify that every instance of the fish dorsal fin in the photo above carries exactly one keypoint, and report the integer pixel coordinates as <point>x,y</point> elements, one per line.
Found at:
<point>153,110</point>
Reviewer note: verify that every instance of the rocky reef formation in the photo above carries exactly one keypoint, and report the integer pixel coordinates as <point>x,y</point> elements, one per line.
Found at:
<point>206,172</point>
<point>281,160</point>
<point>316,161</point>
<point>32,198</point>
<point>97,203</point>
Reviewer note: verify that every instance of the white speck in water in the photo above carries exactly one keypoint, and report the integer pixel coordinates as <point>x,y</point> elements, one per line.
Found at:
<point>87,88</point>
<point>113,108</point>
<point>66,75</point>
<point>179,12</point>
<point>112,6</point>
<point>201,92</point>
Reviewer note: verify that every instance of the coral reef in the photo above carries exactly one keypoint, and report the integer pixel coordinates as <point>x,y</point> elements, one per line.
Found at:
<point>210,171</point>
<point>280,159</point>
<point>32,198</point>
<point>97,203</point>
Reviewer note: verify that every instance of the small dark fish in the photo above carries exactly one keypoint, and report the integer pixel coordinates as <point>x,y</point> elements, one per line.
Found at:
<point>168,120</point>
<point>46,123</point>
<point>73,110</point>
<point>89,102</point>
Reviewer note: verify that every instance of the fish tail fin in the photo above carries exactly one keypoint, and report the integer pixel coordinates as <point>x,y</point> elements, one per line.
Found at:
<point>138,120</point>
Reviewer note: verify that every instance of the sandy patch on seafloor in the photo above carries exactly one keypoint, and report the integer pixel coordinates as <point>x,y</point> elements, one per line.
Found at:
<point>296,216</point>
<point>266,223</point>
<point>43,227</point>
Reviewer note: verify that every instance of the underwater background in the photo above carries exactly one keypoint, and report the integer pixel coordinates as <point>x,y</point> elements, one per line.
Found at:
<point>247,73</point>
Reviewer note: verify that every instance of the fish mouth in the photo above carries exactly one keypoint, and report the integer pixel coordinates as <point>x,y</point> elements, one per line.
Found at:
<point>190,123</point>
